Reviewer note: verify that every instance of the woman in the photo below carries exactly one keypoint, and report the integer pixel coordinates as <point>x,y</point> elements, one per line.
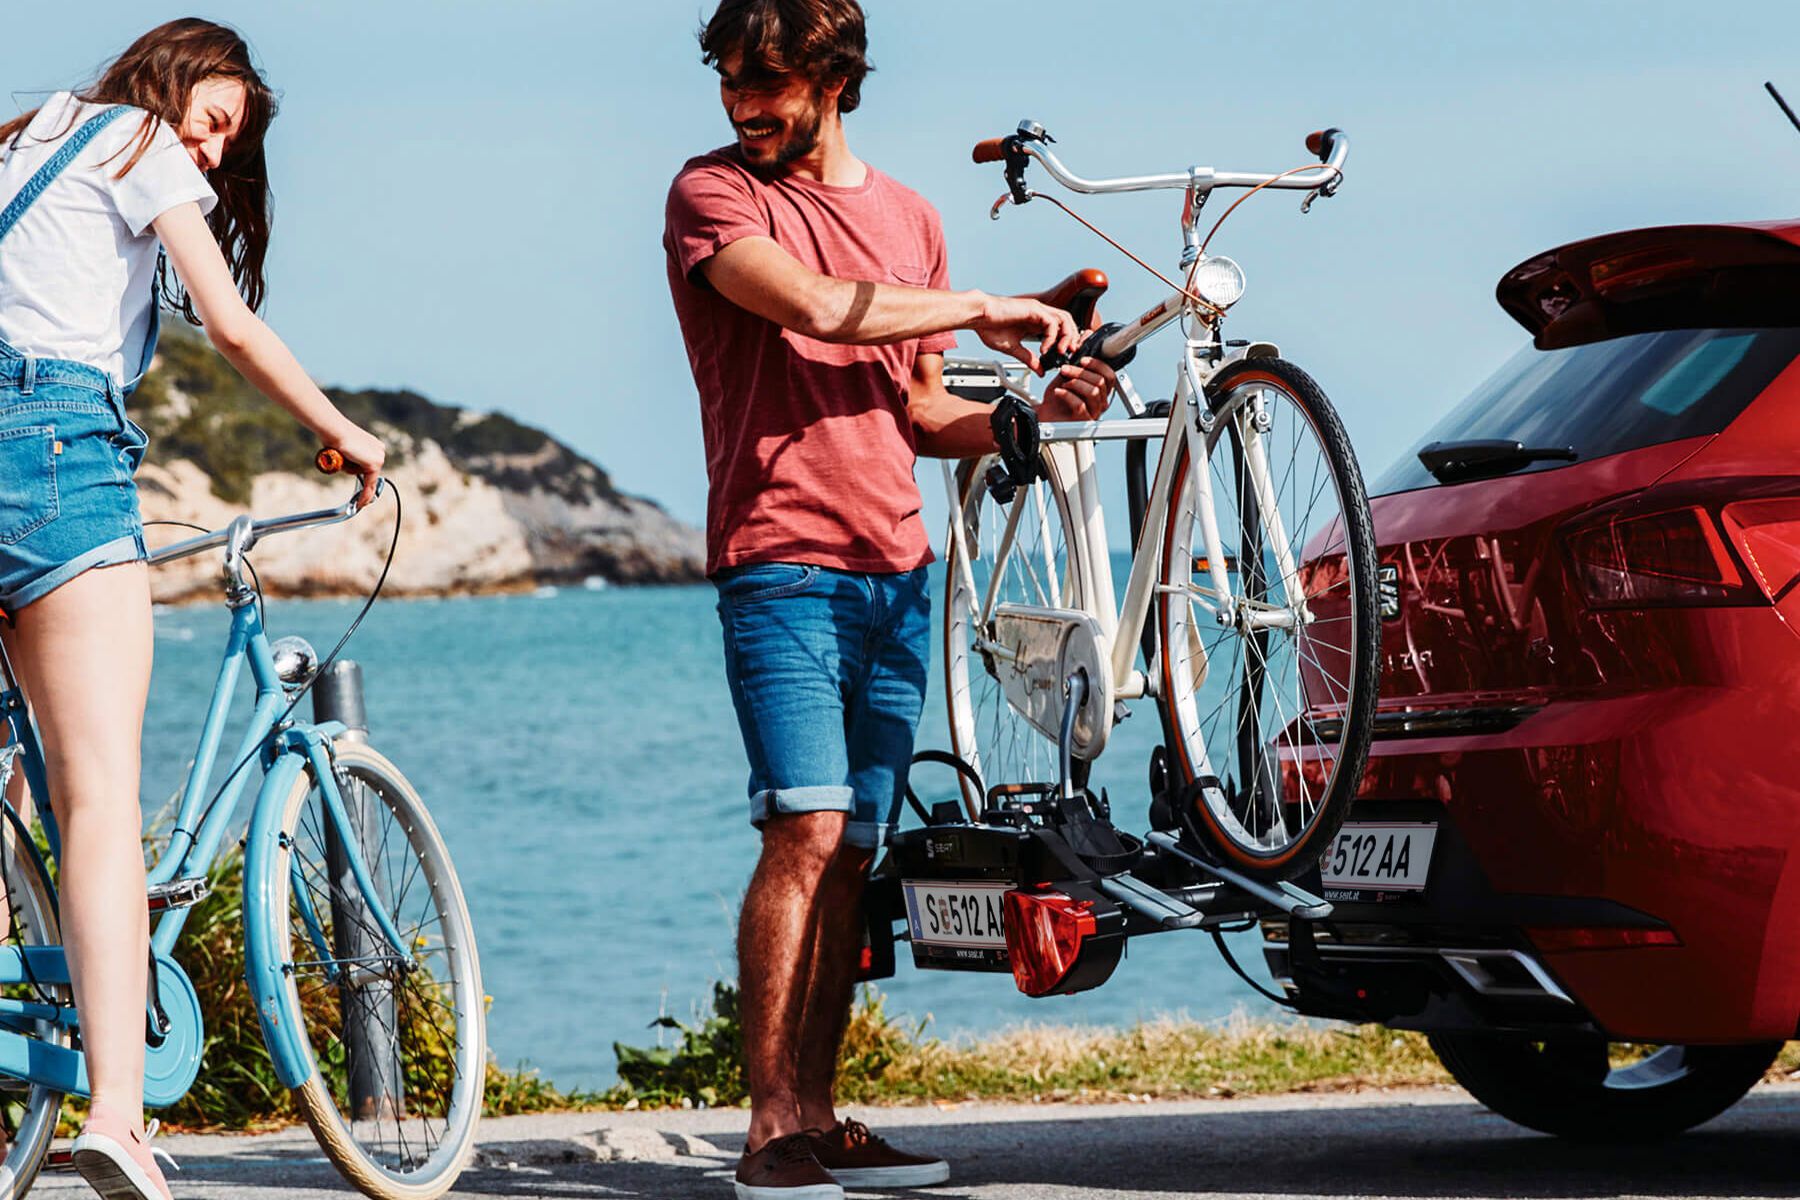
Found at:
<point>163,155</point>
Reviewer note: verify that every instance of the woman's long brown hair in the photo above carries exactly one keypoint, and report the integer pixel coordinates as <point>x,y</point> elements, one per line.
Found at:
<point>158,73</point>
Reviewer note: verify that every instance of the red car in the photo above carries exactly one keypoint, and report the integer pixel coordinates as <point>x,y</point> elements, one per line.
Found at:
<point>1580,825</point>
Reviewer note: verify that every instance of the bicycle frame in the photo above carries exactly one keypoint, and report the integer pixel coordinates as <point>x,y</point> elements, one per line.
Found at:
<point>282,748</point>
<point>1187,427</point>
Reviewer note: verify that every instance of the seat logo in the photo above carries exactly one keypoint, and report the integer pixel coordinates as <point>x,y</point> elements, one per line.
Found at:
<point>1387,586</point>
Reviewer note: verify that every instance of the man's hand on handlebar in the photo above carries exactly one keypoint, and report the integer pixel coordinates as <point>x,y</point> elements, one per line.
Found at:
<point>363,453</point>
<point>1079,391</point>
<point>1007,321</point>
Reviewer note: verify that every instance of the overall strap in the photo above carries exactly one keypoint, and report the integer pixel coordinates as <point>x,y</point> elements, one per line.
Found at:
<point>65,154</point>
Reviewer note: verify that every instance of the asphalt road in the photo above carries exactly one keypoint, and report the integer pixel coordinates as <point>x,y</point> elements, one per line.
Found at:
<point>1389,1144</point>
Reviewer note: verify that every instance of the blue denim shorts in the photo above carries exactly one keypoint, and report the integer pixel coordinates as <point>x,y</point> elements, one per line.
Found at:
<point>827,671</point>
<point>68,502</point>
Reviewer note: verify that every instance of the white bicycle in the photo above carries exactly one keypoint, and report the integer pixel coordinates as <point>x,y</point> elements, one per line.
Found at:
<point>1252,591</point>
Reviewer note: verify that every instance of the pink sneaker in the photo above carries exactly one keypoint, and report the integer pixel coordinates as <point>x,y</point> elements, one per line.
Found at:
<point>116,1160</point>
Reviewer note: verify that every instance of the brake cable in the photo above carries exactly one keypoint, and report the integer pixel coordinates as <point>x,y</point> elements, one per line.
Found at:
<point>1102,235</point>
<point>1259,187</point>
<point>324,663</point>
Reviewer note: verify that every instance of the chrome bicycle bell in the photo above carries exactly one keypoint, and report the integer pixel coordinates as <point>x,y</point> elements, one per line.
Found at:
<point>295,660</point>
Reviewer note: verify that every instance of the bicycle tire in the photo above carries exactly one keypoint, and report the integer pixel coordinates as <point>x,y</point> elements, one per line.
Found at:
<point>1220,813</point>
<point>31,920</point>
<point>358,1146</point>
<point>985,731</point>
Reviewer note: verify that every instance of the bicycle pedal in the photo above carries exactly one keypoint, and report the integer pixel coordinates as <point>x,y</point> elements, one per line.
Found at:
<point>178,893</point>
<point>61,1159</point>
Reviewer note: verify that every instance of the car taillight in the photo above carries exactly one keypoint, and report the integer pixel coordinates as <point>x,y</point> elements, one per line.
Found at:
<point>1555,939</point>
<point>1662,559</point>
<point>1044,934</point>
<point>1640,271</point>
<point>1768,534</point>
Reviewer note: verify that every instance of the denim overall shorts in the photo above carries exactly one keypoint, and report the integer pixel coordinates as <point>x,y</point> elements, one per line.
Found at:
<point>68,453</point>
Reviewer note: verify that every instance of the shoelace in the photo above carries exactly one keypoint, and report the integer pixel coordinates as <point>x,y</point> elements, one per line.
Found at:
<point>157,1153</point>
<point>858,1134</point>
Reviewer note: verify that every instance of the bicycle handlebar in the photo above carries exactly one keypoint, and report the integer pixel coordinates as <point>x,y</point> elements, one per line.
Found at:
<point>1331,145</point>
<point>257,530</point>
<point>245,531</point>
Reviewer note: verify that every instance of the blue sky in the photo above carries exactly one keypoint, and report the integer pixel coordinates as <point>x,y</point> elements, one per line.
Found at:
<point>469,195</point>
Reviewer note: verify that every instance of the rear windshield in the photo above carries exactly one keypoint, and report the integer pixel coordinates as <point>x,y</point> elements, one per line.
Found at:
<point>1610,396</point>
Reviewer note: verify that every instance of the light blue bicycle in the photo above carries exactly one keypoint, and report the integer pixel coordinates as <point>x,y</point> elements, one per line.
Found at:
<point>359,952</point>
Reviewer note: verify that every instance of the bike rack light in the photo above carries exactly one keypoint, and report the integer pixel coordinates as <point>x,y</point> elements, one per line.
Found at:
<point>1061,941</point>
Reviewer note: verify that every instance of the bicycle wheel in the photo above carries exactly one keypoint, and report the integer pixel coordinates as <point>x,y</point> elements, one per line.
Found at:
<point>1268,703</point>
<point>28,1111</point>
<point>398,1044</point>
<point>1041,563</point>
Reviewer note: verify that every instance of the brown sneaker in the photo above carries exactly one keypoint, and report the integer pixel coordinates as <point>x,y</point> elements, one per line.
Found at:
<point>785,1169</point>
<point>857,1158</point>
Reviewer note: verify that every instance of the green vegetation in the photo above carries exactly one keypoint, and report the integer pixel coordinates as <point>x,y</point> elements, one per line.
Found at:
<point>237,1088</point>
<point>196,407</point>
<point>889,1060</point>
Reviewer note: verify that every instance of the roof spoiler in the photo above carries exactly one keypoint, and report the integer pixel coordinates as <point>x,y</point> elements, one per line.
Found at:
<point>1673,277</point>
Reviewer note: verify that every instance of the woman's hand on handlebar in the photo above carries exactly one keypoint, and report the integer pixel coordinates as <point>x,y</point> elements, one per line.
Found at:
<point>363,453</point>
<point>1079,391</point>
<point>1007,321</point>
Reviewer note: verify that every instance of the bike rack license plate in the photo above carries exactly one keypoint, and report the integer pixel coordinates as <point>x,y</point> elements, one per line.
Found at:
<point>956,922</point>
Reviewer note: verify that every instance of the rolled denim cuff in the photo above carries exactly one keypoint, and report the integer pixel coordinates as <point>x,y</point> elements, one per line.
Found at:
<point>825,797</point>
<point>869,835</point>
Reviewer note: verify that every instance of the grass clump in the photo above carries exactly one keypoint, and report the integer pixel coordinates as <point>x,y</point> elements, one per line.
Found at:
<point>891,1060</point>
<point>237,1088</point>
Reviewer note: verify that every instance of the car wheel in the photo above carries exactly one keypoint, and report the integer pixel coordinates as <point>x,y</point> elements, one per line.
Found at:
<point>1583,1088</point>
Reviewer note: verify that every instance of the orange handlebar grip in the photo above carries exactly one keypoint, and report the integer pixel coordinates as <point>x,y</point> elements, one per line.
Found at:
<point>329,461</point>
<point>992,150</point>
<point>1315,141</point>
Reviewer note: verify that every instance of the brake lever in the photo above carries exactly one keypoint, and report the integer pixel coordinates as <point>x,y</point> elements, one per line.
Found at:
<point>1007,198</point>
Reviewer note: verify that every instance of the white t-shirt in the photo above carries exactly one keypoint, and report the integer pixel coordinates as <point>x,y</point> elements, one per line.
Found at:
<point>76,271</point>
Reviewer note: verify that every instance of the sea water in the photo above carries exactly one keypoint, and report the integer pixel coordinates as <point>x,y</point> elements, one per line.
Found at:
<point>578,750</point>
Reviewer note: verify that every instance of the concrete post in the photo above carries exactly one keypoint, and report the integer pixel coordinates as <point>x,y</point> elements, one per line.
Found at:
<point>366,997</point>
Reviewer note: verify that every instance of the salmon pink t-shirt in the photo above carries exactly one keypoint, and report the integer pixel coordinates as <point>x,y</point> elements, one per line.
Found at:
<point>809,449</point>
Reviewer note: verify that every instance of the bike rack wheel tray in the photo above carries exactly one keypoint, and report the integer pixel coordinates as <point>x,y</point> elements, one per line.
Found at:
<point>945,887</point>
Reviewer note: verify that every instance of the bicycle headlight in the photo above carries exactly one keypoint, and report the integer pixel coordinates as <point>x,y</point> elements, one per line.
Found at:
<point>1219,281</point>
<point>295,660</point>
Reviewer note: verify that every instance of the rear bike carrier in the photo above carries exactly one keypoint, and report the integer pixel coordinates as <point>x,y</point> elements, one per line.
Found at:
<point>1045,887</point>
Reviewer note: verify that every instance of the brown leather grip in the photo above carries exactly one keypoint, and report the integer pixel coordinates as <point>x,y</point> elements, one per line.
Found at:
<point>329,461</point>
<point>1315,141</point>
<point>992,150</point>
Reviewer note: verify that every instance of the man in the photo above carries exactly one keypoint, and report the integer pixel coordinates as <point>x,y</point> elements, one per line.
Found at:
<point>812,292</point>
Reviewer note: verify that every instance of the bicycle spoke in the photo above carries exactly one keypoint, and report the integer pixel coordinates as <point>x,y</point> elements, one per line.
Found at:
<point>1276,506</point>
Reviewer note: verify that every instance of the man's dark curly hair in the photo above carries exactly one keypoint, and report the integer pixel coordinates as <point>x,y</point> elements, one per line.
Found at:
<point>818,40</point>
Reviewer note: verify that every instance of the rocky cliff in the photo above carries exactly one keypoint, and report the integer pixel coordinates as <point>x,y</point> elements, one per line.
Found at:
<point>490,504</point>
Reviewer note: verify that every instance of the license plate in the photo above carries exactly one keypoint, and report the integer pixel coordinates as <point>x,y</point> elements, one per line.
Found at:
<point>1379,856</point>
<point>964,915</point>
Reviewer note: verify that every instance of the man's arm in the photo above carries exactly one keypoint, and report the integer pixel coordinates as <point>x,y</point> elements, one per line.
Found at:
<point>946,425</point>
<point>757,274</point>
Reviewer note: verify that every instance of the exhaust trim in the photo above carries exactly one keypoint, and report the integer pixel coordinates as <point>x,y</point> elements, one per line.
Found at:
<point>1467,963</point>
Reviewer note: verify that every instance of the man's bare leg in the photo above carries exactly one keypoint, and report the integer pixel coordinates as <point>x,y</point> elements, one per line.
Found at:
<point>776,934</point>
<point>836,938</point>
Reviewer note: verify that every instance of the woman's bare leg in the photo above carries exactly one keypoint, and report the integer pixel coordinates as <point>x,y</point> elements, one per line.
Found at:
<point>83,655</point>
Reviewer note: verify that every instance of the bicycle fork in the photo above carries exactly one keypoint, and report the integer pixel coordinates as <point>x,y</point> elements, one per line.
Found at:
<point>268,945</point>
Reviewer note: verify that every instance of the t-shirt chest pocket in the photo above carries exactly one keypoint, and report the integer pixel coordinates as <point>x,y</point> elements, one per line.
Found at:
<point>910,274</point>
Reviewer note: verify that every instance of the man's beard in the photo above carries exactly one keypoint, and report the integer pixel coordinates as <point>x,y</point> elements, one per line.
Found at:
<point>802,139</point>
